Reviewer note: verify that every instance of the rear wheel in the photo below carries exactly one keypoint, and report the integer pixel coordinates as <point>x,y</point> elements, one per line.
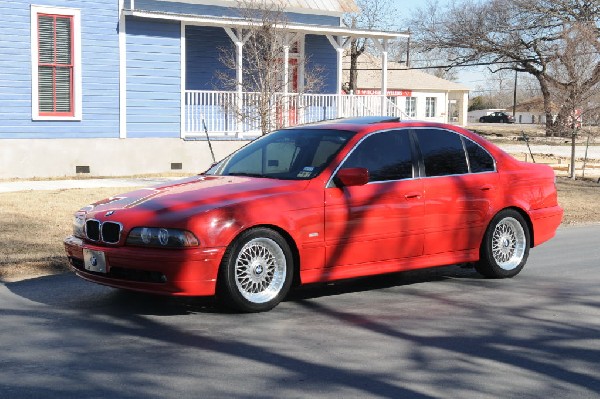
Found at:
<point>256,271</point>
<point>505,246</point>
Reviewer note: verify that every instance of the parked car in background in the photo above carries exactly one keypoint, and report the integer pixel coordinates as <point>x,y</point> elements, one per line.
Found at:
<point>317,203</point>
<point>497,117</point>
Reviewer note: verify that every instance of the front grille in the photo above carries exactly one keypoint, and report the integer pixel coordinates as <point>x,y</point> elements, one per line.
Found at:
<point>108,232</point>
<point>111,232</point>
<point>92,230</point>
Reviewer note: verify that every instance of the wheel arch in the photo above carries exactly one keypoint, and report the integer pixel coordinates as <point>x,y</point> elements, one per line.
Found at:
<point>525,216</point>
<point>287,237</point>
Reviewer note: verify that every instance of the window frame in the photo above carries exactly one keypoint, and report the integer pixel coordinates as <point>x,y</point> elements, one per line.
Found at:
<point>76,94</point>
<point>410,106</point>
<point>421,158</point>
<point>415,156</point>
<point>430,107</point>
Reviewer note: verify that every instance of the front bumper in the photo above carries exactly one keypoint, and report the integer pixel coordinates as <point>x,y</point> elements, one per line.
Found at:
<point>182,272</point>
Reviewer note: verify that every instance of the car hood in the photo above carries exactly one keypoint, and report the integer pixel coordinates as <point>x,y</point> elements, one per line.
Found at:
<point>191,196</point>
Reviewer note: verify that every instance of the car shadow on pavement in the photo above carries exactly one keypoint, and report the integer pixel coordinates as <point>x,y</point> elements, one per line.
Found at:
<point>383,281</point>
<point>68,291</point>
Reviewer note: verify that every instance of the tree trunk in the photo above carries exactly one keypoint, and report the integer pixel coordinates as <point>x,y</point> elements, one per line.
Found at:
<point>550,126</point>
<point>353,66</point>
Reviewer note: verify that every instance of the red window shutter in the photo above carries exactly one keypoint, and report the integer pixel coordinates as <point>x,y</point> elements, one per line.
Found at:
<point>55,65</point>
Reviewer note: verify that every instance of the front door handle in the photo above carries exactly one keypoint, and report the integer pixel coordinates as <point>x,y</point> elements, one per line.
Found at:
<point>486,187</point>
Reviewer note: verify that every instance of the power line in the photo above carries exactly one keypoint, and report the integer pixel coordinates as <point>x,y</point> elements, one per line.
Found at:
<point>443,66</point>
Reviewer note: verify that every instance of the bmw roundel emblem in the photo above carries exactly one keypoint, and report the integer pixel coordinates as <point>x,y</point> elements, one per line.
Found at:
<point>109,213</point>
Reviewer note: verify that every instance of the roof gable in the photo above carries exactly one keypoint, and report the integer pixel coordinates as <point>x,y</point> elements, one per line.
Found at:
<point>399,77</point>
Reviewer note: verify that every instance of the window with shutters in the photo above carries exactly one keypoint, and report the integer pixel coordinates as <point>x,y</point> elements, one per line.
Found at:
<point>55,66</point>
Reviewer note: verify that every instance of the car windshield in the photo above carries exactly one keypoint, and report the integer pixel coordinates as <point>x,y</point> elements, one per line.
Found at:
<point>293,154</point>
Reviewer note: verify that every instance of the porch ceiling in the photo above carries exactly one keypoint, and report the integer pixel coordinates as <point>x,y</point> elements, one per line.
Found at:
<point>332,6</point>
<point>292,27</point>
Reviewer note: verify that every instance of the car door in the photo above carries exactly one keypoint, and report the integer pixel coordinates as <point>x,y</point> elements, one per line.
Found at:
<point>459,195</point>
<point>381,220</point>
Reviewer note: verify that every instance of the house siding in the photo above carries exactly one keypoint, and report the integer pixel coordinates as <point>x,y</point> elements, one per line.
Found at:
<point>225,12</point>
<point>203,46</point>
<point>319,52</point>
<point>99,65</point>
<point>153,78</point>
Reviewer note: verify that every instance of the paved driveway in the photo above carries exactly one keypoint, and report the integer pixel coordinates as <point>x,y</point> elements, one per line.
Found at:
<point>441,333</point>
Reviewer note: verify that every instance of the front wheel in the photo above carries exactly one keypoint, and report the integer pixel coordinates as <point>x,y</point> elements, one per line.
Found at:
<point>505,246</point>
<point>256,271</point>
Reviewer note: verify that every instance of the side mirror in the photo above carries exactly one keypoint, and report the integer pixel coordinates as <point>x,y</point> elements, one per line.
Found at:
<point>352,176</point>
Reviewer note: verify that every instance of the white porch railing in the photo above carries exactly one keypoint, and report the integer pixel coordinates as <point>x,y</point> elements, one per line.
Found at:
<point>217,111</point>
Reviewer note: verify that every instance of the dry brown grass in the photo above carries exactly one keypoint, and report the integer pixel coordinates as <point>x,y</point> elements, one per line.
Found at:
<point>34,223</point>
<point>580,199</point>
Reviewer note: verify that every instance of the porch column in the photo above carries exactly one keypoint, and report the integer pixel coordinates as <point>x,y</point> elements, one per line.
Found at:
<point>237,37</point>
<point>123,73</point>
<point>336,42</point>
<point>464,112</point>
<point>286,79</point>
<point>300,66</point>
<point>383,47</point>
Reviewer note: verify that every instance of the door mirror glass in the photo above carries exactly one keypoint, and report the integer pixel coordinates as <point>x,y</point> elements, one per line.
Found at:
<point>353,176</point>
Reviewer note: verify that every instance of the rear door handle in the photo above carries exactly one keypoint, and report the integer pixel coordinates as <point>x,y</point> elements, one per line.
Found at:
<point>486,187</point>
<point>412,195</point>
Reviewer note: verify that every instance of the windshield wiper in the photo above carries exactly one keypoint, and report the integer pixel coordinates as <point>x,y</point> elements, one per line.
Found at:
<point>246,174</point>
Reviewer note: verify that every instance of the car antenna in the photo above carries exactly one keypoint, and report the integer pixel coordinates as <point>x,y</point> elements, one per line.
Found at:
<point>208,139</point>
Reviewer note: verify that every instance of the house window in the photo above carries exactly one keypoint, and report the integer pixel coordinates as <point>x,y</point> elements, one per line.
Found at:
<point>430,107</point>
<point>411,107</point>
<point>56,75</point>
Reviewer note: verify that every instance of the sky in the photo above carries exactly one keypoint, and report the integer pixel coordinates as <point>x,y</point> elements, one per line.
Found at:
<point>473,77</point>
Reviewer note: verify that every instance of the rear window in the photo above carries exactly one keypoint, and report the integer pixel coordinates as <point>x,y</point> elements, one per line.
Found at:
<point>443,152</point>
<point>479,159</point>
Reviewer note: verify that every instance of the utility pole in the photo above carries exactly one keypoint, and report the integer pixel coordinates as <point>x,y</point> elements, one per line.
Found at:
<point>515,98</point>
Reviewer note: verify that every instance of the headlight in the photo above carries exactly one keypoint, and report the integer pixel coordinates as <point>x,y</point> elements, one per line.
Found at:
<point>78,224</point>
<point>161,237</point>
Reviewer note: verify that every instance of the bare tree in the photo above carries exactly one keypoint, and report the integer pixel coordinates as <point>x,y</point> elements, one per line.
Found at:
<point>544,38</point>
<point>372,14</point>
<point>266,77</point>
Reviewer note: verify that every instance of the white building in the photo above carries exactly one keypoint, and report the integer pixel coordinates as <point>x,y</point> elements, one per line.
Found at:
<point>412,93</point>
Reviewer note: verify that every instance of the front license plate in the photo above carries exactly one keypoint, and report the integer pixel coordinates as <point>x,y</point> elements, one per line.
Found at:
<point>94,261</point>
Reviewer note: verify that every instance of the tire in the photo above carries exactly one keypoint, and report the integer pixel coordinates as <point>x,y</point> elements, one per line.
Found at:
<point>502,121</point>
<point>481,120</point>
<point>505,246</point>
<point>256,271</point>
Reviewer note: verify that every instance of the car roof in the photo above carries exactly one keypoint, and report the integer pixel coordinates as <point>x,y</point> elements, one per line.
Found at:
<point>370,123</point>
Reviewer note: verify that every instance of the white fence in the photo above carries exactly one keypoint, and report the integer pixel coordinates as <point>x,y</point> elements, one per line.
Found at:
<point>217,112</point>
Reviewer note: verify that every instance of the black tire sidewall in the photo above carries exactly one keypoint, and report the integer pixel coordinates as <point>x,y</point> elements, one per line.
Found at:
<point>227,289</point>
<point>487,265</point>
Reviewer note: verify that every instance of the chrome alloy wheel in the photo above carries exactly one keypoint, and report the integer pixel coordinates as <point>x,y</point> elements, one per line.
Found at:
<point>260,270</point>
<point>508,243</point>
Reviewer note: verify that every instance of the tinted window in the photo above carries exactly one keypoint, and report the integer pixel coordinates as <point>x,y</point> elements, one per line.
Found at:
<point>293,154</point>
<point>479,159</point>
<point>387,156</point>
<point>443,152</point>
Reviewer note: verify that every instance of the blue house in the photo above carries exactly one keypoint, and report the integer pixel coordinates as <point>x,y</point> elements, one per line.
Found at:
<point>116,87</point>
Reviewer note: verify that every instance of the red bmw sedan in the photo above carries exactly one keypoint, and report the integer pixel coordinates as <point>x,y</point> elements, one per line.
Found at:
<point>317,203</point>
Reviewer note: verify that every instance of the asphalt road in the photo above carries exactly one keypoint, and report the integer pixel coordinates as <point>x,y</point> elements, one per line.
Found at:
<point>442,333</point>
